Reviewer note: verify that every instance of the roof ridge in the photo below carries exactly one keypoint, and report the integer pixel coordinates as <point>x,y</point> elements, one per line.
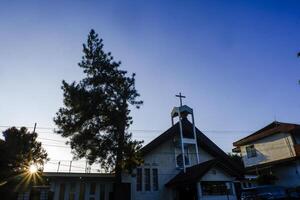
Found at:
<point>272,126</point>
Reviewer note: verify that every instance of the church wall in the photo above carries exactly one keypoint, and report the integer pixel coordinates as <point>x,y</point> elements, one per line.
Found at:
<point>216,174</point>
<point>162,158</point>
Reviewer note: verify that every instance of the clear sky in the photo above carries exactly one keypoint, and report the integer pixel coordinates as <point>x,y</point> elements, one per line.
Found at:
<point>234,60</point>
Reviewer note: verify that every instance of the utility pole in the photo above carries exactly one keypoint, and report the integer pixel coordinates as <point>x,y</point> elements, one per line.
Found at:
<point>70,166</point>
<point>58,166</point>
<point>34,127</point>
<point>86,162</point>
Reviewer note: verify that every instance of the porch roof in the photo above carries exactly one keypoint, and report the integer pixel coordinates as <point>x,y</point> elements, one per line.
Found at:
<point>194,173</point>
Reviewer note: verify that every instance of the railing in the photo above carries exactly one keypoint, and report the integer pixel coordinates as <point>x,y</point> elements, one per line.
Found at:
<point>72,166</point>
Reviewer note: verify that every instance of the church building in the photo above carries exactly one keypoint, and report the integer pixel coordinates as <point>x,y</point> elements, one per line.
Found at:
<point>181,163</point>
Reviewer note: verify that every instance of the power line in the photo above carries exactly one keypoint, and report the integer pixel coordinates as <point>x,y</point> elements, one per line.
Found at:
<point>134,130</point>
<point>2,126</point>
<point>161,153</point>
<point>64,142</point>
<point>40,138</point>
<point>53,145</point>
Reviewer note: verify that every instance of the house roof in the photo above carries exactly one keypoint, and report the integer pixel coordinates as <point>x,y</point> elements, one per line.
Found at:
<point>272,128</point>
<point>194,173</point>
<point>202,140</point>
<point>72,174</point>
<point>79,176</point>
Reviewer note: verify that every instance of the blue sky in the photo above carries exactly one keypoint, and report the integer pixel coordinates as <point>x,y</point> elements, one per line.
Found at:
<point>234,60</point>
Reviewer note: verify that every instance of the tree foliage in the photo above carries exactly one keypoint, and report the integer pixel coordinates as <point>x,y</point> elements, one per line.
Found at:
<point>236,158</point>
<point>18,150</point>
<point>96,112</point>
<point>266,179</point>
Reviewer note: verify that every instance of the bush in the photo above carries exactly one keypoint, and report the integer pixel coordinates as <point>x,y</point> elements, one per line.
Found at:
<point>266,179</point>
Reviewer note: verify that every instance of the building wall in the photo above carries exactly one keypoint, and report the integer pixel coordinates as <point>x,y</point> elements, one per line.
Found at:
<point>204,156</point>
<point>216,174</point>
<point>271,148</point>
<point>55,187</point>
<point>163,158</point>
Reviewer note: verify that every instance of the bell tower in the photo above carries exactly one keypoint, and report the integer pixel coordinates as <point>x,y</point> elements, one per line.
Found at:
<point>182,112</point>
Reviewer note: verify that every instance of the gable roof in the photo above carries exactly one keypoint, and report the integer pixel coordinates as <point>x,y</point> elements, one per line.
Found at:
<point>202,140</point>
<point>194,173</point>
<point>272,128</point>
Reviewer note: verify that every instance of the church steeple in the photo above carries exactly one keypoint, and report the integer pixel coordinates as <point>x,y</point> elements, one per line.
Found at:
<point>182,112</point>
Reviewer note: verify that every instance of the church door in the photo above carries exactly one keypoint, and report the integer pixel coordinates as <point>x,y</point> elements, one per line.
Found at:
<point>187,192</point>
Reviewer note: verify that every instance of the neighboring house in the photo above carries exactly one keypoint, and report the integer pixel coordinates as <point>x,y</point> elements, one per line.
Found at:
<point>181,163</point>
<point>274,149</point>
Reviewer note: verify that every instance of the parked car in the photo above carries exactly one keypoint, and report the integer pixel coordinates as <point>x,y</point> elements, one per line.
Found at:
<point>264,193</point>
<point>293,193</point>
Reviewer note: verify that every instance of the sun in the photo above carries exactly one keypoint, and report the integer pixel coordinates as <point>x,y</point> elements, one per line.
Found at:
<point>32,169</point>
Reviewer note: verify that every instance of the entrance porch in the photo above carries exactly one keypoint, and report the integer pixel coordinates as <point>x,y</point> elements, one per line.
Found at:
<point>209,180</point>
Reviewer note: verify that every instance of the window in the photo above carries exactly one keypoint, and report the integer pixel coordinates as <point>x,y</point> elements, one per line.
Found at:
<point>72,191</point>
<point>251,151</point>
<point>187,155</point>
<point>92,193</point>
<point>62,191</point>
<point>138,179</point>
<point>215,188</point>
<point>147,179</point>
<point>92,188</point>
<point>179,160</point>
<point>155,179</point>
<point>81,191</point>
<point>102,192</point>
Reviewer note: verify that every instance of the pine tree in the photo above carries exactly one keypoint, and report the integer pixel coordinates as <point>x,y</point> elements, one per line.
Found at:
<point>96,112</point>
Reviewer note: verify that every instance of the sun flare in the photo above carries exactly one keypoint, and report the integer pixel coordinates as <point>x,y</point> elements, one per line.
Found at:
<point>33,169</point>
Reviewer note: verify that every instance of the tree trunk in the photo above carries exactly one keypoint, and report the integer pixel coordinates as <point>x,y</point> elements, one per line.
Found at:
<point>118,171</point>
